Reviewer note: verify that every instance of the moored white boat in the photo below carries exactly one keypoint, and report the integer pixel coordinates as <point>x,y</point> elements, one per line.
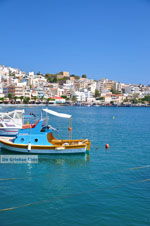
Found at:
<point>9,131</point>
<point>11,122</point>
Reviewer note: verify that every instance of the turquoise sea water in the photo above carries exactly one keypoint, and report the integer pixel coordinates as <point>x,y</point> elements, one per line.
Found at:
<point>105,187</point>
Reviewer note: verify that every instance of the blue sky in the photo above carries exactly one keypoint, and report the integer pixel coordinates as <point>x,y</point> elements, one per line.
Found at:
<point>100,38</point>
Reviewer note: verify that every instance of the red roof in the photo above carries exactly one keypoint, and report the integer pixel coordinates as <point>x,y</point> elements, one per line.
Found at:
<point>57,98</point>
<point>114,95</point>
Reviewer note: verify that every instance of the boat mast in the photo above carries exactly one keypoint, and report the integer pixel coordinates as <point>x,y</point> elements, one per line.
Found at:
<point>70,129</point>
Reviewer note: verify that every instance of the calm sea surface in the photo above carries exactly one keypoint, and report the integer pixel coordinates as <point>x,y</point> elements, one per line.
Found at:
<point>105,187</point>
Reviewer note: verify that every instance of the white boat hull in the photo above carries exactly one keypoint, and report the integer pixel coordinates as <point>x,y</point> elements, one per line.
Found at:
<point>44,151</point>
<point>9,132</point>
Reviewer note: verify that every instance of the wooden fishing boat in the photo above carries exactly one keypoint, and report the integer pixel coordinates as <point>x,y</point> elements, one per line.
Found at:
<point>40,140</point>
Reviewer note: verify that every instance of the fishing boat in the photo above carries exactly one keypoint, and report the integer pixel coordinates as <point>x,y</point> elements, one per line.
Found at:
<point>40,139</point>
<point>11,122</point>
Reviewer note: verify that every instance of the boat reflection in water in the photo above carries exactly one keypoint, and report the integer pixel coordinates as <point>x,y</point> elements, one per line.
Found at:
<point>73,160</point>
<point>69,159</point>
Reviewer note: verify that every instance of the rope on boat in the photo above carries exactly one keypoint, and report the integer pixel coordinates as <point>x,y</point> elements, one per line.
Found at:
<point>83,141</point>
<point>66,196</point>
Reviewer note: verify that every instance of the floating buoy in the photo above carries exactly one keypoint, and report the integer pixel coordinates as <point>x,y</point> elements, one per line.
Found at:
<point>113,117</point>
<point>107,146</point>
<point>69,129</point>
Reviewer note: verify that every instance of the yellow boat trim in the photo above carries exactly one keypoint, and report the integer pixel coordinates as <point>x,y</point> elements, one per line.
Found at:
<point>73,145</point>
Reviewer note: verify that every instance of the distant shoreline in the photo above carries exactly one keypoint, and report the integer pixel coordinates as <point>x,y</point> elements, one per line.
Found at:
<point>66,105</point>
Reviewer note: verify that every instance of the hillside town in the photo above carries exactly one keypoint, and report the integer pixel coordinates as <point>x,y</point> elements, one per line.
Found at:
<point>18,87</point>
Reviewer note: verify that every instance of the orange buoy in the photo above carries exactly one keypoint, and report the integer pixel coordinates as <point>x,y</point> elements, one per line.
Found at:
<point>69,129</point>
<point>107,146</point>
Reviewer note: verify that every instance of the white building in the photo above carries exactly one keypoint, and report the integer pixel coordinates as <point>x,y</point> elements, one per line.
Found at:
<point>82,96</point>
<point>130,89</point>
<point>92,86</point>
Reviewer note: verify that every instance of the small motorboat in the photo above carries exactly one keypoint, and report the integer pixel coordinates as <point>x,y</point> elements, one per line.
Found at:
<point>11,122</point>
<point>40,140</point>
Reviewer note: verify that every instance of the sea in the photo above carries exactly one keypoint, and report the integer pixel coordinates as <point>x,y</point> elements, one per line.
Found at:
<point>105,187</point>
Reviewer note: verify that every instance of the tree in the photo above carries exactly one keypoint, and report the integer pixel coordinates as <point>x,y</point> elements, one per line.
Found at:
<point>52,78</point>
<point>146,98</point>
<point>11,73</point>
<point>61,81</point>
<point>97,93</point>
<point>15,97</point>
<point>1,99</point>
<point>42,97</point>
<point>35,98</point>
<point>75,76</point>
<point>114,91</point>
<point>84,76</point>
<point>125,100</point>
<point>74,98</point>
<point>50,99</point>
<point>134,101</point>
<point>112,102</point>
<point>63,96</point>
<point>26,100</point>
<point>21,98</point>
<point>10,96</point>
<point>100,98</point>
